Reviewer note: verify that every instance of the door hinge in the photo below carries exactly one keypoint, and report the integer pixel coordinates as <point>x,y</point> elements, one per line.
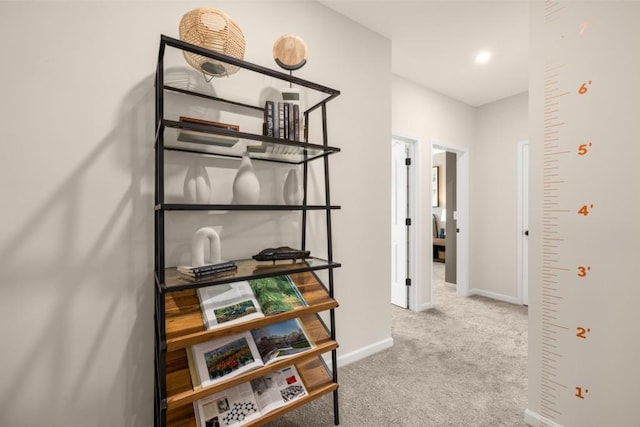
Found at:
<point>407,281</point>
<point>407,222</point>
<point>407,161</point>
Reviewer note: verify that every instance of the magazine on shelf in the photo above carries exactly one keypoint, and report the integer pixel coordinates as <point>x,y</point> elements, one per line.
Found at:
<point>227,357</point>
<point>251,400</point>
<point>241,301</point>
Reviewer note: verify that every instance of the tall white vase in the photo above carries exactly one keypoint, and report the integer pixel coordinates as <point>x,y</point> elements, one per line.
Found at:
<point>197,186</point>
<point>246,187</point>
<point>292,192</point>
<point>203,238</point>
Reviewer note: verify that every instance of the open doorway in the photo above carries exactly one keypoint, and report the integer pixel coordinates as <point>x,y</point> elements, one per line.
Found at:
<point>449,210</point>
<point>443,207</point>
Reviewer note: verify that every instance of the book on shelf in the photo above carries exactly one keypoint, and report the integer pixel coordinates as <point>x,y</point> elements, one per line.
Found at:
<point>287,120</point>
<point>281,123</point>
<point>296,122</point>
<point>248,401</point>
<point>226,357</point>
<point>207,269</point>
<point>268,118</point>
<point>185,135</point>
<point>235,302</point>
<point>282,120</point>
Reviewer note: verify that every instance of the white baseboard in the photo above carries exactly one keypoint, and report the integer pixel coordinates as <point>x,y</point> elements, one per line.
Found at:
<point>361,353</point>
<point>424,307</point>
<point>535,420</point>
<point>494,295</point>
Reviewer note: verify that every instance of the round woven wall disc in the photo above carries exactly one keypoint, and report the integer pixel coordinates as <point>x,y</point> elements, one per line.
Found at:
<point>290,52</point>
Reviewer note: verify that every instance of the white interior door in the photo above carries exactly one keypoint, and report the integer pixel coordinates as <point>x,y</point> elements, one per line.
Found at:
<point>398,225</point>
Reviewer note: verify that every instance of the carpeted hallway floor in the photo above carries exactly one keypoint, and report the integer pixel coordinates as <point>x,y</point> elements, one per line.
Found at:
<point>462,363</point>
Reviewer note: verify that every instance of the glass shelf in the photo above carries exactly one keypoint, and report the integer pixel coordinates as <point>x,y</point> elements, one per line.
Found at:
<point>203,139</point>
<point>247,269</point>
<point>252,78</point>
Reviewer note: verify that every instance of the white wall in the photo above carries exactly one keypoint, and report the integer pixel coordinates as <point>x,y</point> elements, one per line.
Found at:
<point>429,117</point>
<point>576,43</point>
<point>493,194</point>
<point>77,178</point>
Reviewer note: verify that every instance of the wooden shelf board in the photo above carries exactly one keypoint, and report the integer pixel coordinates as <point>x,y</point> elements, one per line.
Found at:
<point>315,377</point>
<point>185,326</point>
<point>180,390</point>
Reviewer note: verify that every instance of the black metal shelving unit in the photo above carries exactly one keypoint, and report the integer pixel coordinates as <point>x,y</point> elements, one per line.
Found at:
<point>299,153</point>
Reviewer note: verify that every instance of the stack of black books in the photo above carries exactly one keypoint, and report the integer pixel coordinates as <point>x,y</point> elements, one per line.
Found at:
<point>207,270</point>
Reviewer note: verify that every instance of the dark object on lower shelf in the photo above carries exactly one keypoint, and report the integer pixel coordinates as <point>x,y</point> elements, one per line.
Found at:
<point>283,252</point>
<point>207,138</point>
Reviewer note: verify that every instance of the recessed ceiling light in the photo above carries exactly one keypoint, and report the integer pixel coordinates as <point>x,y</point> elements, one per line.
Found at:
<point>483,57</point>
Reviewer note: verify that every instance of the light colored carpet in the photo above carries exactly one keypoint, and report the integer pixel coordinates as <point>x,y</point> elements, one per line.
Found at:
<point>462,363</point>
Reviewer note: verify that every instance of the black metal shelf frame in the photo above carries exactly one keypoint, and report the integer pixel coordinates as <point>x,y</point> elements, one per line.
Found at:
<point>307,151</point>
<point>194,207</point>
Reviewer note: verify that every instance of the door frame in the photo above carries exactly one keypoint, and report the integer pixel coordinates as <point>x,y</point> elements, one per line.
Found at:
<point>462,217</point>
<point>523,286</point>
<point>415,245</point>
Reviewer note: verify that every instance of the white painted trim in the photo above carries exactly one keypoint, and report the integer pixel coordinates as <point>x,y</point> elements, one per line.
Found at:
<point>463,223</point>
<point>534,419</point>
<point>494,295</point>
<point>424,307</point>
<point>415,243</point>
<point>361,353</point>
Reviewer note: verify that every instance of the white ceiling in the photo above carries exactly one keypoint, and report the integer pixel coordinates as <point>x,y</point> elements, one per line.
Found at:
<point>434,43</point>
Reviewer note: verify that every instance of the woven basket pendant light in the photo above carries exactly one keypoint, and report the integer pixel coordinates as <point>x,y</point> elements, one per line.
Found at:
<point>216,31</point>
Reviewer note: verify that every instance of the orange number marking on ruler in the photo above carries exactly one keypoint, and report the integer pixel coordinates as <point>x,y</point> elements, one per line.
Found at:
<point>582,332</point>
<point>584,210</point>
<point>582,270</point>
<point>579,392</point>
<point>584,148</point>
<point>583,88</point>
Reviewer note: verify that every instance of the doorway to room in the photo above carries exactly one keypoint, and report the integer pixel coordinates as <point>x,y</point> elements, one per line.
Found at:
<point>449,207</point>
<point>444,212</point>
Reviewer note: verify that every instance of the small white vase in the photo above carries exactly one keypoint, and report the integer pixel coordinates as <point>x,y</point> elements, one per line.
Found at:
<point>292,192</point>
<point>197,187</point>
<point>204,237</point>
<point>246,187</point>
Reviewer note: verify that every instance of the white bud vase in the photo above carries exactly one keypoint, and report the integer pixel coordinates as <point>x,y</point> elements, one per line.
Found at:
<point>204,237</point>
<point>246,187</point>
<point>292,192</point>
<point>197,187</point>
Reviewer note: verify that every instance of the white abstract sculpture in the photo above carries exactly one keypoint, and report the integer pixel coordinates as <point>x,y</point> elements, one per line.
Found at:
<point>204,237</point>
